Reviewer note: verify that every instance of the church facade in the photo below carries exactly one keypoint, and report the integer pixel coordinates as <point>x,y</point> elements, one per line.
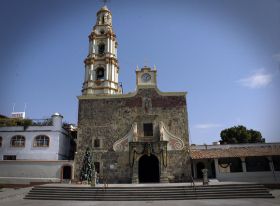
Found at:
<point>139,137</point>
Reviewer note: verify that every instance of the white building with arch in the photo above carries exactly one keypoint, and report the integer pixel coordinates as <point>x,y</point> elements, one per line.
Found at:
<point>35,153</point>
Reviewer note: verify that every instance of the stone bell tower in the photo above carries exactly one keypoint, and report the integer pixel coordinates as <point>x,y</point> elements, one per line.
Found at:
<point>101,64</point>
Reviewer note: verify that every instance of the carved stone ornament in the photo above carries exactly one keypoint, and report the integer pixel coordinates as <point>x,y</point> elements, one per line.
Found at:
<point>147,103</point>
<point>122,145</point>
<point>174,143</point>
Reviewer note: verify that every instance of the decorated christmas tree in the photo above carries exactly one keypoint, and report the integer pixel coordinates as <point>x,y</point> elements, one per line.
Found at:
<point>87,172</point>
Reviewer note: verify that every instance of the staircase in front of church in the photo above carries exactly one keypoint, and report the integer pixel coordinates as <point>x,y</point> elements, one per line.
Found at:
<point>145,193</point>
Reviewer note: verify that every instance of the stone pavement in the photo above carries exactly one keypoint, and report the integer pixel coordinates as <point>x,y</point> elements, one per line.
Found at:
<point>12,197</point>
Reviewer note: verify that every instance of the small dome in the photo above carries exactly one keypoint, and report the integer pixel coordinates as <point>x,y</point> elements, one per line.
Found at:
<point>103,9</point>
<point>57,114</point>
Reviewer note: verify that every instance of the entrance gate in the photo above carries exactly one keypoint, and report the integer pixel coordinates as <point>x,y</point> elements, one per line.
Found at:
<point>148,169</point>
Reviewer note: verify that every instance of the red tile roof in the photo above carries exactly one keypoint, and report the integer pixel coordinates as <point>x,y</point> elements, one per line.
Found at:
<point>261,150</point>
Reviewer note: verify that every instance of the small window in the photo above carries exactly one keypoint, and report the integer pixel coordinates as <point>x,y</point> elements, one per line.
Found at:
<point>97,167</point>
<point>96,143</point>
<point>41,141</point>
<point>101,48</point>
<point>148,129</point>
<point>18,141</point>
<point>10,157</point>
<point>100,73</point>
<point>1,141</point>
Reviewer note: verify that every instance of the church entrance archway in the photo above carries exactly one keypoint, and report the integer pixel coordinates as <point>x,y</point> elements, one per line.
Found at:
<point>148,169</point>
<point>67,172</point>
<point>199,167</point>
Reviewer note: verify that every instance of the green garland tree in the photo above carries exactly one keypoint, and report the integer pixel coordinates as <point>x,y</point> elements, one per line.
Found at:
<point>87,167</point>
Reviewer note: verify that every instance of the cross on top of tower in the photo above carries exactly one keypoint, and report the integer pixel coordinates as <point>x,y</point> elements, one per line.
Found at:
<point>104,1</point>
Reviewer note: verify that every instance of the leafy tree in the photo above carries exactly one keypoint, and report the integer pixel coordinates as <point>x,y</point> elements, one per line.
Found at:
<point>240,134</point>
<point>87,171</point>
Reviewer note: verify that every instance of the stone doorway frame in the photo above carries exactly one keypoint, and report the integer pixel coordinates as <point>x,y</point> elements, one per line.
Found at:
<point>138,149</point>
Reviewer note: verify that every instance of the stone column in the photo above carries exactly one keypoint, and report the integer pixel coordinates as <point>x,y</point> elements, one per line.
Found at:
<point>108,45</point>
<point>163,173</point>
<point>216,163</point>
<point>163,163</point>
<point>135,177</point>
<point>93,181</point>
<point>194,169</point>
<point>205,176</point>
<point>243,164</point>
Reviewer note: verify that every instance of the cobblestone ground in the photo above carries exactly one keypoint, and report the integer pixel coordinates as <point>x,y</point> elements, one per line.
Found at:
<point>12,197</point>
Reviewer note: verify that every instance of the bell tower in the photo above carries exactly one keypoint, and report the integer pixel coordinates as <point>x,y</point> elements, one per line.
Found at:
<point>101,64</point>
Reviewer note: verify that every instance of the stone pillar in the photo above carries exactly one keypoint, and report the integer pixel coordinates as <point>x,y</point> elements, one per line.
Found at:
<point>194,169</point>
<point>216,163</point>
<point>135,177</point>
<point>93,181</point>
<point>205,176</point>
<point>163,174</point>
<point>243,164</point>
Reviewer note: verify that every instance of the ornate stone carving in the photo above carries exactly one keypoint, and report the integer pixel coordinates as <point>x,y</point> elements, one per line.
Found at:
<point>174,143</point>
<point>147,104</point>
<point>121,145</point>
<point>134,127</point>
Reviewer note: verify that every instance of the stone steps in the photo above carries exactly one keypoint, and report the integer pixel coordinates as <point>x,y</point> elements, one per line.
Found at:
<point>148,193</point>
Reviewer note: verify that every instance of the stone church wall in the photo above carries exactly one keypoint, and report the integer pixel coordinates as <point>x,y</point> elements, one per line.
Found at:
<point>110,118</point>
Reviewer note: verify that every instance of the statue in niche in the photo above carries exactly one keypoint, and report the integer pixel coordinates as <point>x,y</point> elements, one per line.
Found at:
<point>147,104</point>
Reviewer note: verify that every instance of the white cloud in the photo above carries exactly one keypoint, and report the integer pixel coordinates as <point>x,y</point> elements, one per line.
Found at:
<point>207,126</point>
<point>257,80</point>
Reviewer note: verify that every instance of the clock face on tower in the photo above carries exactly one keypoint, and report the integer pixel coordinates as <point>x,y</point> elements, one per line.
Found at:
<point>146,77</point>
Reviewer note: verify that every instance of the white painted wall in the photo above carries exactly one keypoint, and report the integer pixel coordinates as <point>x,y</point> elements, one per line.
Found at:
<point>24,172</point>
<point>58,149</point>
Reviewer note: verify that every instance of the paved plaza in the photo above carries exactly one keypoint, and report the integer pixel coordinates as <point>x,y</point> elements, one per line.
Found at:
<point>14,197</point>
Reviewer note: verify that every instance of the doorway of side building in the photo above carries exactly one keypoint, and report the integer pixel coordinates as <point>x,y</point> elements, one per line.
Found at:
<point>148,169</point>
<point>66,172</point>
<point>199,167</point>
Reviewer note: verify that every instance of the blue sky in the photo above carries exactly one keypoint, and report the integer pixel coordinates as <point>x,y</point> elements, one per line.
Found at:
<point>224,53</point>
